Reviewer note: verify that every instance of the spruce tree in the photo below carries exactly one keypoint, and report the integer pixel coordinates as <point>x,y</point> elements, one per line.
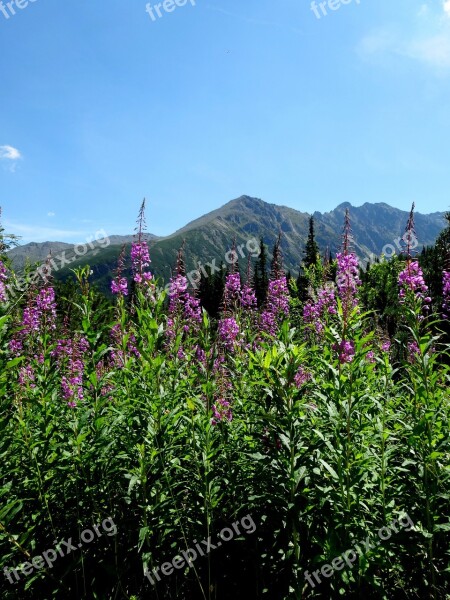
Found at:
<point>312,249</point>
<point>261,275</point>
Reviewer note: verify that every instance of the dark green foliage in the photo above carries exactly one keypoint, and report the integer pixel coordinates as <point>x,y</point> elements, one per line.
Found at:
<point>311,251</point>
<point>261,276</point>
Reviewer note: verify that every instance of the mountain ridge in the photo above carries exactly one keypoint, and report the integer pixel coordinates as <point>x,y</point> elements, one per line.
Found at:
<point>375,226</point>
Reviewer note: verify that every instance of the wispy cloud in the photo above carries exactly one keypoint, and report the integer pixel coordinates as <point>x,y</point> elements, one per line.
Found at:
<point>51,214</point>
<point>42,234</point>
<point>10,155</point>
<point>252,20</point>
<point>429,45</point>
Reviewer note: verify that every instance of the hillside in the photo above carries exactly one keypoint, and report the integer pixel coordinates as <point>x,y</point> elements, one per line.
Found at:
<point>211,236</point>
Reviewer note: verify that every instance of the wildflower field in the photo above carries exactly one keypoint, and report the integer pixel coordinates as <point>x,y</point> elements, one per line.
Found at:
<point>297,443</point>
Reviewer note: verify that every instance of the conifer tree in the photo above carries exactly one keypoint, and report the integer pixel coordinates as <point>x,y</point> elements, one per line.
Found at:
<point>312,249</point>
<point>261,275</point>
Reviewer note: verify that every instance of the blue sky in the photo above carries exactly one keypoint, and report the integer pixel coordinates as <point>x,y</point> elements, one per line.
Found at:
<point>101,106</point>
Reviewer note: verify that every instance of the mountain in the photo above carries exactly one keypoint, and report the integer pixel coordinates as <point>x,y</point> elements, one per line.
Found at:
<point>209,237</point>
<point>38,252</point>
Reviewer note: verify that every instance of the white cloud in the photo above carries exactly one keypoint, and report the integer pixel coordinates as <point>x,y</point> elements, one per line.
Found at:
<point>9,153</point>
<point>35,233</point>
<point>434,51</point>
<point>51,214</point>
<point>428,42</point>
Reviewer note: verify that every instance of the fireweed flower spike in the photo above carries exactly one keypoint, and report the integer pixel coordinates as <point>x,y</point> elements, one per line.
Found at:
<point>347,281</point>
<point>228,330</point>
<point>221,411</point>
<point>346,351</point>
<point>3,280</point>
<point>315,313</point>
<point>185,314</point>
<point>410,234</point>
<point>301,377</point>
<point>446,294</point>
<point>69,354</point>
<point>119,285</point>
<point>140,255</point>
<point>411,280</point>
<point>277,303</point>
<point>248,296</point>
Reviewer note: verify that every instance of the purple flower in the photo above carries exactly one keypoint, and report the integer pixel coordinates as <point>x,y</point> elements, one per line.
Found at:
<point>268,322</point>
<point>301,377</point>
<point>347,281</point>
<point>346,350</point>
<point>192,309</point>
<point>119,286</point>
<point>411,281</point>
<point>38,315</point>
<point>228,333</point>
<point>386,346</point>
<point>16,347</point>
<point>446,294</point>
<point>278,297</point>
<point>413,351</point>
<point>200,355</point>
<point>178,286</point>
<point>184,310</point>
<point>277,306</point>
<point>3,280</point>
<point>370,356</point>
<point>140,260</point>
<point>140,256</point>
<point>69,355</point>
<point>248,298</point>
<point>316,313</point>
<point>26,377</point>
<point>232,291</point>
<point>221,411</point>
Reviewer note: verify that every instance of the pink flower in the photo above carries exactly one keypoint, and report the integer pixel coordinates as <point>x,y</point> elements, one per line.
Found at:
<point>3,280</point>
<point>301,377</point>
<point>315,314</point>
<point>120,286</point>
<point>347,281</point>
<point>370,356</point>
<point>221,411</point>
<point>140,260</point>
<point>411,281</point>
<point>228,333</point>
<point>446,294</point>
<point>413,352</point>
<point>232,291</point>
<point>346,350</point>
<point>386,346</point>
<point>248,298</point>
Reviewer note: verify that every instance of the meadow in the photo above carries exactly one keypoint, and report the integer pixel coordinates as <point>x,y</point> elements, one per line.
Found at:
<point>312,425</point>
